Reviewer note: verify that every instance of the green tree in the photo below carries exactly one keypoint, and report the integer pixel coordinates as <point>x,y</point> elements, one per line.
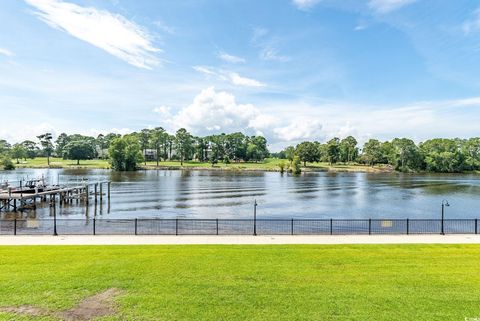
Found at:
<point>296,170</point>
<point>471,150</point>
<point>371,152</point>
<point>125,153</point>
<point>144,138</point>
<point>183,144</point>
<point>60,143</point>
<point>157,141</point>
<point>290,153</point>
<point>4,147</point>
<point>7,163</point>
<point>253,152</point>
<point>18,151</point>
<point>348,149</point>
<point>31,148</point>
<point>443,155</point>
<point>308,152</point>
<point>46,143</point>
<point>333,150</point>
<point>407,155</point>
<point>78,150</point>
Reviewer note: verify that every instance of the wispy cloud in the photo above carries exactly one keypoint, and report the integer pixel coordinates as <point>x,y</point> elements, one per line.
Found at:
<point>230,76</point>
<point>305,4</point>
<point>238,80</point>
<point>472,25</point>
<point>361,25</point>
<point>111,32</point>
<point>164,27</point>
<point>6,52</point>
<point>204,70</point>
<point>230,58</point>
<point>386,6</point>
<point>267,45</point>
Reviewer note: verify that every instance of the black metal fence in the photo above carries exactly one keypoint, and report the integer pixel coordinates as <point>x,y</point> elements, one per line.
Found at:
<point>236,226</point>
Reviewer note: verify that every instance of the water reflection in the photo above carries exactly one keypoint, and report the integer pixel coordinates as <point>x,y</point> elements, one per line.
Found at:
<point>212,194</point>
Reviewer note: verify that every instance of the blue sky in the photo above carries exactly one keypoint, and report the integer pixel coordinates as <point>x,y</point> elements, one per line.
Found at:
<point>291,70</point>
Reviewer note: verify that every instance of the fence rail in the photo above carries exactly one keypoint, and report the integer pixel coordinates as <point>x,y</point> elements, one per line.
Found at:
<point>236,226</point>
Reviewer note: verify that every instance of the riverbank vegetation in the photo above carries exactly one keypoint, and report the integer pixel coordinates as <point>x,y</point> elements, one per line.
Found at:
<point>156,148</point>
<point>254,282</point>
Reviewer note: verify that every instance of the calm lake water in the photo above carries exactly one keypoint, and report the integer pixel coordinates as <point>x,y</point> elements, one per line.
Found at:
<point>218,194</point>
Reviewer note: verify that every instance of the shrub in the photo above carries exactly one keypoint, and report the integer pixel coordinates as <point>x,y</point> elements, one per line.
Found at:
<point>7,164</point>
<point>296,170</point>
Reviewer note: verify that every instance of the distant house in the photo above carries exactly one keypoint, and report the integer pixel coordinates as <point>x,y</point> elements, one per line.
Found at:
<point>150,154</point>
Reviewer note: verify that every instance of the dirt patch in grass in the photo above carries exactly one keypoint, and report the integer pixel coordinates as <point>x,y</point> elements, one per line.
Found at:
<point>27,310</point>
<point>96,306</point>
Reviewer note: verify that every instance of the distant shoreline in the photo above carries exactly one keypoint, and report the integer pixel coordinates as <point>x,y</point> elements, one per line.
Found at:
<point>269,165</point>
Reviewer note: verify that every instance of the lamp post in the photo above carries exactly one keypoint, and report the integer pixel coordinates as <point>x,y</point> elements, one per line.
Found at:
<point>444,203</point>
<point>255,218</point>
<point>54,219</point>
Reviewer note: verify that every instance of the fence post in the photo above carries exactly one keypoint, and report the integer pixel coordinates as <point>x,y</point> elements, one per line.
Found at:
<point>292,226</point>
<point>176,226</point>
<point>136,226</point>
<point>94,227</point>
<point>331,226</point>
<point>217,226</point>
<point>476,226</point>
<point>408,226</point>
<point>369,226</point>
<point>15,226</point>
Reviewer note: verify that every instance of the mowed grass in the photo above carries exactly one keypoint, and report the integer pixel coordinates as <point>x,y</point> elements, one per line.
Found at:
<point>330,282</point>
<point>269,164</point>
<point>55,162</point>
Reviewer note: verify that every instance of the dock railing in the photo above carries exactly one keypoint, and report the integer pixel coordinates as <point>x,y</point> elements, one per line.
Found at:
<point>156,226</point>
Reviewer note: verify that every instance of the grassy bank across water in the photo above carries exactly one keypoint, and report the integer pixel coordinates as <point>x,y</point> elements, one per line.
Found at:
<point>269,164</point>
<point>308,282</point>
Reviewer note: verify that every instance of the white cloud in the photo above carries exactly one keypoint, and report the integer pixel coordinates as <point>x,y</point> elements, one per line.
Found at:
<point>305,4</point>
<point>29,131</point>
<point>230,58</point>
<point>300,129</point>
<point>204,70</point>
<point>216,112</point>
<point>213,112</point>
<point>238,80</point>
<point>386,6</point>
<point>95,132</point>
<point>230,76</point>
<point>472,25</point>
<point>162,110</point>
<point>361,25</point>
<point>164,27</point>
<point>267,45</point>
<point>110,32</point>
<point>6,52</point>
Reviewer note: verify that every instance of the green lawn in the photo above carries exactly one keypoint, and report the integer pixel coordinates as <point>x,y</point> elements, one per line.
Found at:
<point>269,164</point>
<point>41,162</point>
<point>349,282</point>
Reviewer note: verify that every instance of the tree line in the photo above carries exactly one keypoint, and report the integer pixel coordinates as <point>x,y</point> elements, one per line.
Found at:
<point>126,152</point>
<point>434,155</point>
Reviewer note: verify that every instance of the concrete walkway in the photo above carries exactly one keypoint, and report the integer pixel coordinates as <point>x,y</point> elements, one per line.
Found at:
<point>296,239</point>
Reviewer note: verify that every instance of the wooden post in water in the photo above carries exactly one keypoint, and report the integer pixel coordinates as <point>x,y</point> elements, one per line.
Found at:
<point>108,188</point>
<point>101,191</point>
<point>86,194</point>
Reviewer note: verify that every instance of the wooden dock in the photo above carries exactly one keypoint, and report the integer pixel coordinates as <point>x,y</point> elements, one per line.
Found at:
<point>19,201</point>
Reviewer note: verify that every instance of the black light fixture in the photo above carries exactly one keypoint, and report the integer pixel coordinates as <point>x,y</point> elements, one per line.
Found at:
<point>444,203</point>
